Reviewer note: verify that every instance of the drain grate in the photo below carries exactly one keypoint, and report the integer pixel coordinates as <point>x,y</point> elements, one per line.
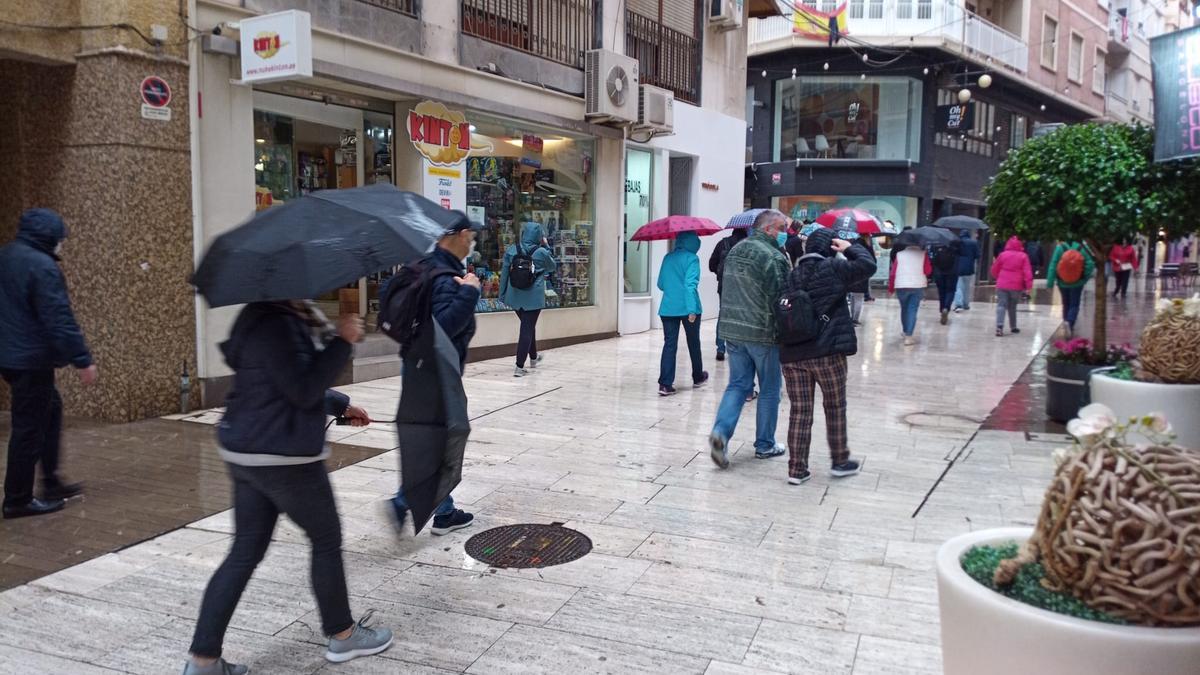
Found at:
<point>528,545</point>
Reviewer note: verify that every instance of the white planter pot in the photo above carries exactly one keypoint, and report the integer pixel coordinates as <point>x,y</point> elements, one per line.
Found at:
<point>1179,402</point>
<point>985,633</point>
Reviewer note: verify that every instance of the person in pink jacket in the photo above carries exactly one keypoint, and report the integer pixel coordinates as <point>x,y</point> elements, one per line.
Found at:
<point>1014,276</point>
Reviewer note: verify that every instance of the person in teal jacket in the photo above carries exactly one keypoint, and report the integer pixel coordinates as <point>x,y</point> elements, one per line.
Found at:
<point>528,302</point>
<point>1072,292</point>
<point>679,280</point>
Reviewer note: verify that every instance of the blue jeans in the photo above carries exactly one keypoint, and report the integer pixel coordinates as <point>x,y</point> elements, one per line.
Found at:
<point>691,330</point>
<point>1072,298</point>
<point>744,361</point>
<point>966,288</point>
<point>720,345</point>
<point>443,509</point>
<point>910,302</point>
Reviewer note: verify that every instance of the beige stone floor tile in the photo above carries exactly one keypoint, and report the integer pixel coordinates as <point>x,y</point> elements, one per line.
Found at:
<point>792,648</point>
<point>17,661</point>
<point>849,577</point>
<point>699,524</point>
<point>735,559</point>
<point>881,656</point>
<point>526,649</point>
<point>895,619</point>
<point>634,491</point>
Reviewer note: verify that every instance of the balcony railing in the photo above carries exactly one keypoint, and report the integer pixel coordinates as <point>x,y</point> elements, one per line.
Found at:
<point>557,30</point>
<point>666,57</point>
<point>409,7</point>
<point>883,21</point>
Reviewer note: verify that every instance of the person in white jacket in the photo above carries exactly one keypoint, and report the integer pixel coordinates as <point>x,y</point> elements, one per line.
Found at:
<point>908,278</point>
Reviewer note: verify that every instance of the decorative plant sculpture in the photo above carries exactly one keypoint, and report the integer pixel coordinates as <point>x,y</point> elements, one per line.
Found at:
<point>1120,524</point>
<point>1170,348</point>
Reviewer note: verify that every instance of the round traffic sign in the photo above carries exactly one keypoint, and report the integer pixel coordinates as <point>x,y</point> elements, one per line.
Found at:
<point>156,92</point>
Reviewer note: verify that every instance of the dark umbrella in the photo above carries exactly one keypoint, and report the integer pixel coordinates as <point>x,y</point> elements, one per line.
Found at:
<point>922,237</point>
<point>431,422</point>
<point>960,223</point>
<point>320,242</point>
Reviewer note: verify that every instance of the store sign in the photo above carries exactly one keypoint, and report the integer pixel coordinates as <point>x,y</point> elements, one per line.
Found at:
<point>532,143</point>
<point>1176,59</point>
<point>442,136</point>
<point>710,186</point>
<point>776,179</point>
<point>276,46</point>
<point>955,118</point>
<point>446,185</point>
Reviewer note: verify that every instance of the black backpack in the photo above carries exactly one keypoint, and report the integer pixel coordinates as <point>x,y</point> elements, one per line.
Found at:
<point>796,316</point>
<point>405,301</point>
<point>521,274</point>
<point>945,258</point>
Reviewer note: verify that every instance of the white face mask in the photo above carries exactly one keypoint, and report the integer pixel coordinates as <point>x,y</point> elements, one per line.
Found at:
<point>58,248</point>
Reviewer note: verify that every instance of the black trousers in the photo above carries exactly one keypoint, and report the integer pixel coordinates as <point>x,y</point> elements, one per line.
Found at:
<point>527,341</point>
<point>36,433</point>
<point>260,494</point>
<point>1122,283</point>
<point>947,285</point>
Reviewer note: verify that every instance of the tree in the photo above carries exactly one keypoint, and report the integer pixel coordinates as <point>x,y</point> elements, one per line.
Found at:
<point>1096,184</point>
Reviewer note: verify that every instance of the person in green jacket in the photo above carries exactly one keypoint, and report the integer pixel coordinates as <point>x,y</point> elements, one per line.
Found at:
<point>528,302</point>
<point>1071,291</point>
<point>679,280</point>
<point>755,276</point>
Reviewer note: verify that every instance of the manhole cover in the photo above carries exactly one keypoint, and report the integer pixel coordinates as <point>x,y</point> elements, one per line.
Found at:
<point>528,545</point>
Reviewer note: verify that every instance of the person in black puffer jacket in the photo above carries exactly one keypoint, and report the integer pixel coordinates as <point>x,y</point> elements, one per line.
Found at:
<point>822,361</point>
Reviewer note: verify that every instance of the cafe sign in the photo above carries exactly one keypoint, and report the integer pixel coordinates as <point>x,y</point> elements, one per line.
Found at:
<point>276,46</point>
<point>442,136</point>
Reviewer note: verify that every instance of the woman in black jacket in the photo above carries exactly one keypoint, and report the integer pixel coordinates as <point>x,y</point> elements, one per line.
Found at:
<point>285,356</point>
<point>822,360</point>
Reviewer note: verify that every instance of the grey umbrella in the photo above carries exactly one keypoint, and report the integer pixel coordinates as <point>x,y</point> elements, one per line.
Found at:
<point>922,237</point>
<point>960,223</point>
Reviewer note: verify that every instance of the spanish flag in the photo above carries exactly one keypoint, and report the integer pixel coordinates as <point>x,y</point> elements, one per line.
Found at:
<point>818,25</point>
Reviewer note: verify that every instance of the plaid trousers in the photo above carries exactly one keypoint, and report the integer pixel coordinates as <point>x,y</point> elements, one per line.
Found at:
<point>801,378</point>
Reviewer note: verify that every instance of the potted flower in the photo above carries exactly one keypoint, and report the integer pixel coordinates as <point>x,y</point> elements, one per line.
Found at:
<point>1067,372</point>
<point>1166,375</point>
<point>1106,583</point>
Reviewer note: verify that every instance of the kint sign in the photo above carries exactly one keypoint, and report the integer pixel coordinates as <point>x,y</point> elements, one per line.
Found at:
<point>276,46</point>
<point>441,135</point>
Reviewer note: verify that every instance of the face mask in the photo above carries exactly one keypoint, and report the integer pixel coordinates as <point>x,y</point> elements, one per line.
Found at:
<point>781,238</point>
<point>58,248</point>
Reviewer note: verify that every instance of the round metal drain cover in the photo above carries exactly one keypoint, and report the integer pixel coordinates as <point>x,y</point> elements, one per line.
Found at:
<point>528,545</point>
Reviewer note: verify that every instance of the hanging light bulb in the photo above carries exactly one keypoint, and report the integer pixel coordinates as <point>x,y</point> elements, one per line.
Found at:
<point>764,73</point>
<point>1043,107</point>
<point>826,65</point>
<point>865,58</point>
<point>863,76</point>
<point>985,81</point>
<point>964,95</point>
<point>926,71</point>
<point>793,73</point>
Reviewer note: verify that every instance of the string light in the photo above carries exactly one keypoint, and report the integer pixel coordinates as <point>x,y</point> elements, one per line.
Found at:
<point>793,73</point>
<point>964,95</point>
<point>764,73</point>
<point>1043,107</point>
<point>985,81</point>
<point>926,71</point>
<point>826,65</point>
<point>863,76</point>
<point>865,58</point>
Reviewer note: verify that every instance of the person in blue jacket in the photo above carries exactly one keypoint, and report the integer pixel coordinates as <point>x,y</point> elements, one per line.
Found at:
<point>528,302</point>
<point>679,280</point>
<point>38,333</point>
<point>968,260</point>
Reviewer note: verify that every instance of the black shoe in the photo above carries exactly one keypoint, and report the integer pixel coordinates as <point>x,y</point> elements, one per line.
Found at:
<point>35,507</point>
<point>700,382</point>
<point>800,479</point>
<point>62,491</point>
<point>720,356</point>
<point>666,390</point>
<point>1016,331</point>
<point>456,520</point>
<point>847,468</point>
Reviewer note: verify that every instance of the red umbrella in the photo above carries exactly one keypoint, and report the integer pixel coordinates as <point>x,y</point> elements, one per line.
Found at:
<point>852,220</point>
<point>672,226</point>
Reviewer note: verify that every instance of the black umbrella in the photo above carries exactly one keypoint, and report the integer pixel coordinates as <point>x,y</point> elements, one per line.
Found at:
<point>960,223</point>
<point>922,237</point>
<point>431,422</point>
<point>318,243</point>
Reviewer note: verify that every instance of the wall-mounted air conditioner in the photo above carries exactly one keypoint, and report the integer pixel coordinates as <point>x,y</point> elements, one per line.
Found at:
<point>656,110</point>
<point>611,87</point>
<point>725,14</point>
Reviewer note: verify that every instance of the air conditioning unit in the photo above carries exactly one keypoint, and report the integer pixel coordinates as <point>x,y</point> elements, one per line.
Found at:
<point>725,14</point>
<point>656,110</point>
<point>611,87</point>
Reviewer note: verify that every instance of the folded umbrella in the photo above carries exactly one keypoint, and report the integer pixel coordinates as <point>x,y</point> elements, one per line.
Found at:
<point>960,223</point>
<point>672,226</point>
<point>744,220</point>
<point>852,220</point>
<point>318,243</point>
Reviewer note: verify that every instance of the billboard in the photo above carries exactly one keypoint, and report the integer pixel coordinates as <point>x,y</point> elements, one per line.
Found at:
<point>1176,61</point>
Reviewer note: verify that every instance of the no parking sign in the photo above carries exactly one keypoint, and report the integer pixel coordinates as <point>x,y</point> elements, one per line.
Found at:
<point>156,94</point>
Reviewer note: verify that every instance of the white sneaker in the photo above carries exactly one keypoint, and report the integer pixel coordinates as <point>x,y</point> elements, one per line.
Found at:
<point>535,362</point>
<point>520,372</point>
<point>909,341</point>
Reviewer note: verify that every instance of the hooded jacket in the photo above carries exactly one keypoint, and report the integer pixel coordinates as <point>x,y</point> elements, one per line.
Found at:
<point>755,273</point>
<point>968,255</point>
<point>827,280</point>
<point>1012,269</point>
<point>534,297</point>
<point>275,412</point>
<point>452,304</point>
<point>38,330</point>
<point>679,278</point>
<point>1089,266</point>
<point>716,261</point>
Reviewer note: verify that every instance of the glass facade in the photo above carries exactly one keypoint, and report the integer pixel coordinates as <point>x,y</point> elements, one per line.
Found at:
<point>638,201</point>
<point>845,117</point>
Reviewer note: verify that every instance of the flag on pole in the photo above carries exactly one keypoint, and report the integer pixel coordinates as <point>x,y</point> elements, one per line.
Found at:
<point>818,25</point>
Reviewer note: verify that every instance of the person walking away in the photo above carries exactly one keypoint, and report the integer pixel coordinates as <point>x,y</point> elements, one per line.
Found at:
<point>1014,277</point>
<point>945,275</point>
<point>38,333</point>
<point>821,361</point>
<point>523,276</point>
<point>859,290</point>
<point>1124,259</point>
<point>679,280</point>
<point>907,278</point>
<point>1037,259</point>
<point>1070,268</point>
<point>452,295</point>
<point>272,439</point>
<point>716,264</point>
<point>968,260</point>
<point>755,273</point>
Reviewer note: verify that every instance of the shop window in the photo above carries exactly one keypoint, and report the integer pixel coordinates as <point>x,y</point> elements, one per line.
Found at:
<point>638,209</point>
<point>840,117</point>
<point>519,174</point>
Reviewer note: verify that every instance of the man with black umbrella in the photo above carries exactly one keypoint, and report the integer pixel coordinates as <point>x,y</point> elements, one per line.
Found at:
<point>453,294</point>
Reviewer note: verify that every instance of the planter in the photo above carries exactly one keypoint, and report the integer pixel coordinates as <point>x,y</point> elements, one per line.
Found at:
<point>1066,389</point>
<point>985,633</point>
<point>1180,403</point>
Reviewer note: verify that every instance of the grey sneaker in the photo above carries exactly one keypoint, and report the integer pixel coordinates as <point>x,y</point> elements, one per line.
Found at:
<point>364,641</point>
<point>218,667</point>
<point>520,372</point>
<point>718,451</point>
<point>535,361</point>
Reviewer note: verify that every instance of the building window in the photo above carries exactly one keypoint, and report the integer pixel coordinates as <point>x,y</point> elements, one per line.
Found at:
<point>1100,72</point>
<point>980,139</point>
<point>924,9</point>
<point>904,9</point>
<point>1049,42</point>
<point>856,9</point>
<point>876,9</point>
<point>839,117</point>
<point>829,6</point>
<point>638,207</point>
<point>1019,132</point>
<point>1075,59</point>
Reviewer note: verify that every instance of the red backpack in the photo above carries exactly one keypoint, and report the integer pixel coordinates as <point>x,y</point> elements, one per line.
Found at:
<point>1070,266</point>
